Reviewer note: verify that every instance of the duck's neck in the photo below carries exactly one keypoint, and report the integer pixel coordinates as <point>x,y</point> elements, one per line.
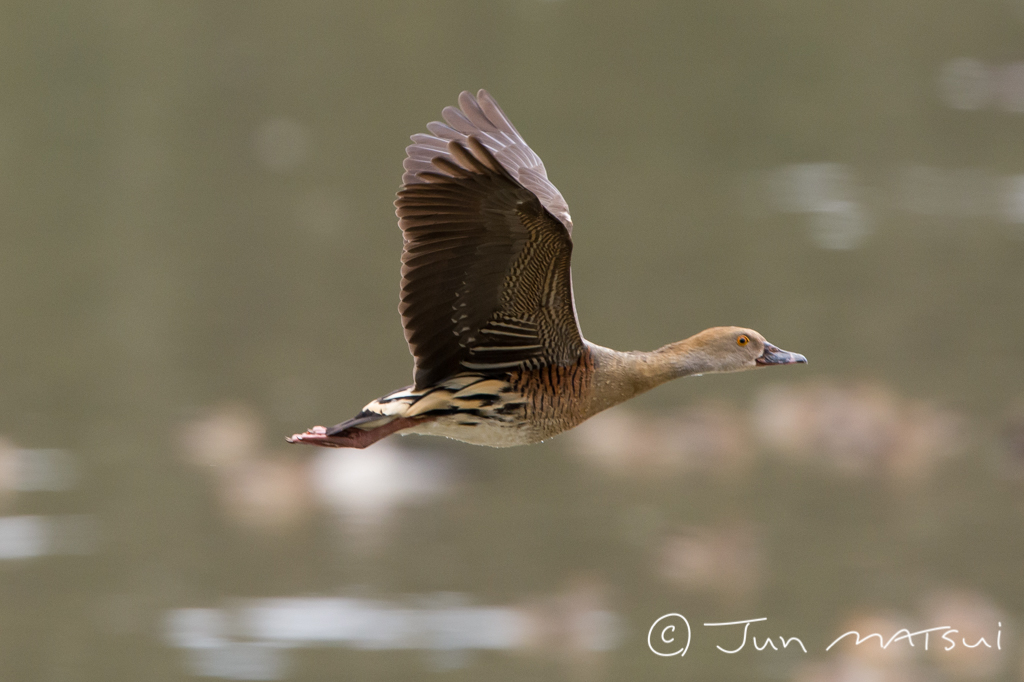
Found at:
<point>680,359</point>
<point>620,376</point>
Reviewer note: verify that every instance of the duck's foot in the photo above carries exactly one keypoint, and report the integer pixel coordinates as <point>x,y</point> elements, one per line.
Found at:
<point>353,437</point>
<point>318,436</point>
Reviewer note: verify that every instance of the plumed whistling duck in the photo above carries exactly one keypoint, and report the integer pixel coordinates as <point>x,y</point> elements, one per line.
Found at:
<point>487,302</point>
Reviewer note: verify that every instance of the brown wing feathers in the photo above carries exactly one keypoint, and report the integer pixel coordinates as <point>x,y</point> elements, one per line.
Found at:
<point>480,248</point>
<point>482,118</point>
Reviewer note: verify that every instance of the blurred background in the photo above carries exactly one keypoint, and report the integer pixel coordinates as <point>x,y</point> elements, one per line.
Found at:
<point>199,257</point>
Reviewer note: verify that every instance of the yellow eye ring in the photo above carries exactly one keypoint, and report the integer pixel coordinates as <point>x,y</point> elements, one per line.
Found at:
<point>743,340</point>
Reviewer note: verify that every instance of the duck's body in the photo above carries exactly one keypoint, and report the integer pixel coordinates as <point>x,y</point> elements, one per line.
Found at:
<point>487,303</point>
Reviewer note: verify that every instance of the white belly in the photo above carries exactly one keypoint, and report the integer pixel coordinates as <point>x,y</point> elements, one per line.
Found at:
<point>484,432</point>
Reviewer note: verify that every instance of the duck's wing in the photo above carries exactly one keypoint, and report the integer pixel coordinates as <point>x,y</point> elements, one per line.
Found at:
<point>482,118</point>
<point>485,270</point>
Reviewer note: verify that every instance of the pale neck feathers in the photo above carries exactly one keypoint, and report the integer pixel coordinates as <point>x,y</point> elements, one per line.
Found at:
<point>619,376</point>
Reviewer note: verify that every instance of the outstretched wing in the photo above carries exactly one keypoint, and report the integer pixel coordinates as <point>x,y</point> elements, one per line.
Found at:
<point>486,284</point>
<point>482,118</point>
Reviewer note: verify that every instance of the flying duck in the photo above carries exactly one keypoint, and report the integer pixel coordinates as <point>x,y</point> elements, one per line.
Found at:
<point>487,302</point>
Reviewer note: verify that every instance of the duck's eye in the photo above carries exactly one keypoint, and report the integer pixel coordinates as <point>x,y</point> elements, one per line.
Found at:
<point>743,339</point>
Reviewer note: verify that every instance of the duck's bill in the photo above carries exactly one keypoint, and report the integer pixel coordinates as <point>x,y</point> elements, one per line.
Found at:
<point>773,355</point>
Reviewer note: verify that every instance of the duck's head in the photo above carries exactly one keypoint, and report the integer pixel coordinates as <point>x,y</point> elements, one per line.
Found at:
<point>733,349</point>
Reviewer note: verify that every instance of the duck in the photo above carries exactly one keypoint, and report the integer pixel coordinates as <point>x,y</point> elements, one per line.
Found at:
<point>487,302</point>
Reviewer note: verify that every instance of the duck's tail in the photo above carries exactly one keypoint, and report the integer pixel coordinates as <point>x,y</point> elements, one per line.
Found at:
<point>467,393</point>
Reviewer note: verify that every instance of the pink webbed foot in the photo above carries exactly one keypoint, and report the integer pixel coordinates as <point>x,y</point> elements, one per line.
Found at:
<point>354,437</point>
<point>318,436</point>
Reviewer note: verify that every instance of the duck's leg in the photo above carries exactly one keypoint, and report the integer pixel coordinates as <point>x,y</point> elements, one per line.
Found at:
<point>378,419</point>
<point>349,435</point>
